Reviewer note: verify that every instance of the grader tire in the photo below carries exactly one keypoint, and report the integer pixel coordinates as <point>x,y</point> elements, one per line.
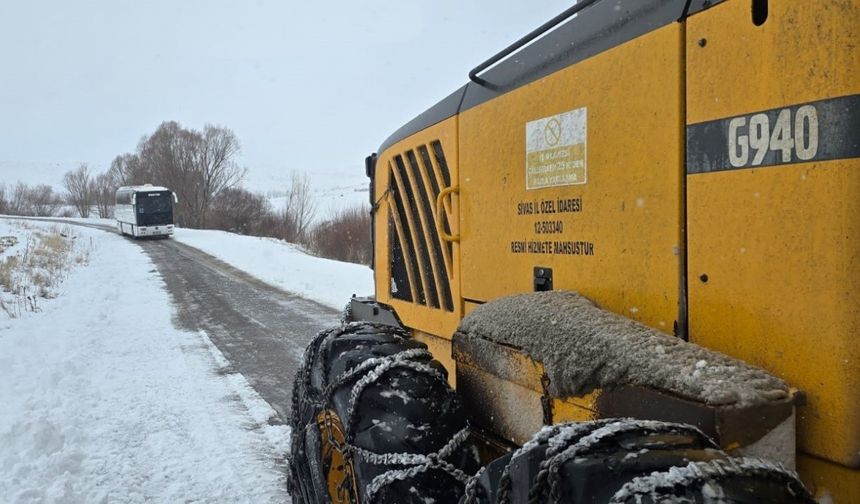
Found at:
<point>630,461</point>
<point>374,420</point>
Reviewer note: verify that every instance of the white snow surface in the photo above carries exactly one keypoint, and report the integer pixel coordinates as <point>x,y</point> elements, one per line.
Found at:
<point>284,265</point>
<point>103,400</point>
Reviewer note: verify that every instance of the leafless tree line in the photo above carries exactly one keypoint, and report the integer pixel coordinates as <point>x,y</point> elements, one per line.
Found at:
<point>197,165</point>
<point>344,235</point>
<point>22,199</point>
<point>201,168</point>
<point>84,190</point>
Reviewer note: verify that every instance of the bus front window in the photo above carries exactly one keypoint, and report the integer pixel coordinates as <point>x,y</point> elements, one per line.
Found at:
<point>153,203</point>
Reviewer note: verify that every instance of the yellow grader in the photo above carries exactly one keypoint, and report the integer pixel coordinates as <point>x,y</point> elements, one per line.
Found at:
<point>621,264</point>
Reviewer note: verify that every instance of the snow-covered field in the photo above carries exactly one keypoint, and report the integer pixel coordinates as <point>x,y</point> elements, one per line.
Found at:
<point>331,199</point>
<point>103,400</point>
<point>284,265</point>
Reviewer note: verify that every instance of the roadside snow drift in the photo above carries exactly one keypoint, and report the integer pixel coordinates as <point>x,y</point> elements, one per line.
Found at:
<point>284,265</point>
<point>104,401</point>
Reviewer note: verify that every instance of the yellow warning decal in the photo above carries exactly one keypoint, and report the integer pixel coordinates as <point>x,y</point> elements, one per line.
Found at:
<point>555,150</point>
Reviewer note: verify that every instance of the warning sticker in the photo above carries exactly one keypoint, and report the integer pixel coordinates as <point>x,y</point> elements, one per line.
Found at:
<point>555,150</point>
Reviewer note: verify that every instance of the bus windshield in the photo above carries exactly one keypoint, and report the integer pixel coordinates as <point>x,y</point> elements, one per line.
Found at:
<point>154,202</point>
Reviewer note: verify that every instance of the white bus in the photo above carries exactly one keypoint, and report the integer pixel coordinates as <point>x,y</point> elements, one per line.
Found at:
<point>145,210</point>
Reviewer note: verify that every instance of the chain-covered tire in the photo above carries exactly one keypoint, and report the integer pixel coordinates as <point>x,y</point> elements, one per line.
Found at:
<point>374,420</point>
<point>623,461</point>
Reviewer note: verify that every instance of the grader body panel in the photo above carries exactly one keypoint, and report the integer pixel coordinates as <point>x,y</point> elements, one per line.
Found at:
<point>691,166</point>
<point>774,226</point>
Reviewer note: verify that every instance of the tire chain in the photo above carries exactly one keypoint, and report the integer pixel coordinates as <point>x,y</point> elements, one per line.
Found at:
<point>559,438</point>
<point>558,443</point>
<point>419,464</point>
<point>378,366</point>
<point>473,489</point>
<point>544,435</point>
<point>567,441</point>
<point>607,431</point>
<point>700,472</point>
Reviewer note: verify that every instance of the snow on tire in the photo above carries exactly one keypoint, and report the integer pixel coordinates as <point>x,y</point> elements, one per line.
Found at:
<point>630,461</point>
<point>374,420</point>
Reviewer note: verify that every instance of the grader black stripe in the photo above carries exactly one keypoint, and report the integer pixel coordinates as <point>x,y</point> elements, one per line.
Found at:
<point>822,130</point>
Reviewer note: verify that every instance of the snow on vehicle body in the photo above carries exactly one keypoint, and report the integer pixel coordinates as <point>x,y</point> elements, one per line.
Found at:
<point>145,210</point>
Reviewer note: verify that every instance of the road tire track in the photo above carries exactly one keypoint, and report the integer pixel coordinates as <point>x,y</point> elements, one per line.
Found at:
<point>260,329</point>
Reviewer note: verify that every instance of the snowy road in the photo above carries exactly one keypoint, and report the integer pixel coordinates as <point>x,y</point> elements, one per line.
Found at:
<point>106,400</point>
<point>261,330</point>
<point>145,380</point>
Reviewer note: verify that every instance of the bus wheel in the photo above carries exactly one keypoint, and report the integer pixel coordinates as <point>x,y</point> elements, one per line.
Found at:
<point>374,420</point>
<point>626,461</point>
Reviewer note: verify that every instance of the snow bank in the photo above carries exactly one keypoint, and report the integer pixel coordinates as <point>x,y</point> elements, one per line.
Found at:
<point>284,265</point>
<point>104,401</point>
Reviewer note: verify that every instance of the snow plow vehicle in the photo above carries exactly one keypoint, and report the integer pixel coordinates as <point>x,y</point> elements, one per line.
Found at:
<point>621,264</point>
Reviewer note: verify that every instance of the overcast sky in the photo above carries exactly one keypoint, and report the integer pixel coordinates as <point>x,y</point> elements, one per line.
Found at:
<point>310,86</point>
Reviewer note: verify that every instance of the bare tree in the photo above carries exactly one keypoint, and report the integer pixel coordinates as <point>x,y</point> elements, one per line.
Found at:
<point>299,209</point>
<point>4,203</point>
<point>196,165</point>
<point>216,169</point>
<point>77,183</point>
<point>43,201</point>
<point>104,194</point>
<point>18,199</point>
<point>166,158</point>
<point>127,169</point>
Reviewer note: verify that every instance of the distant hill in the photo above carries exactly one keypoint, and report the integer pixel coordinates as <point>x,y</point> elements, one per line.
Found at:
<point>39,172</point>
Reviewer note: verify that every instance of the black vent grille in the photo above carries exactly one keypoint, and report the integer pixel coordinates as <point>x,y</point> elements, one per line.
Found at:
<point>421,262</point>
